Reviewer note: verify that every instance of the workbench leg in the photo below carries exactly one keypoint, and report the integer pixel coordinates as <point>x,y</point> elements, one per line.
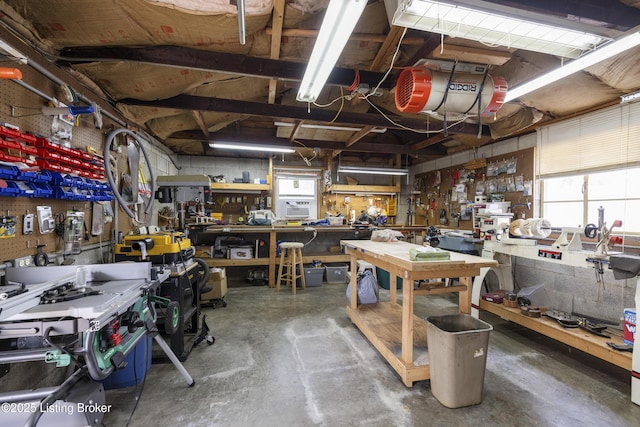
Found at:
<point>272,259</point>
<point>407,321</point>
<point>393,287</point>
<point>354,282</point>
<point>464,297</point>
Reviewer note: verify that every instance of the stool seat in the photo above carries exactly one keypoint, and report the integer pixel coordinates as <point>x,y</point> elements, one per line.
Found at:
<point>291,245</point>
<point>291,268</point>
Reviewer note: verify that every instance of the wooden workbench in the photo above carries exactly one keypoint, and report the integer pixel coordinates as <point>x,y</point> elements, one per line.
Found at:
<point>393,329</point>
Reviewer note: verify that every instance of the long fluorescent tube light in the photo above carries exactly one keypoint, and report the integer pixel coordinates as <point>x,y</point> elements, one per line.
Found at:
<point>605,52</point>
<point>250,147</point>
<point>13,52</point>
<point>326,127</point>
<point>630,97</point>
<point>496,25</point>
<point>339,21</point>
<point>372,171</point>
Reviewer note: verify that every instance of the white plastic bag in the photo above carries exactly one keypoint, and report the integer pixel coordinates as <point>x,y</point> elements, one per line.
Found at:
<point>367,289</point>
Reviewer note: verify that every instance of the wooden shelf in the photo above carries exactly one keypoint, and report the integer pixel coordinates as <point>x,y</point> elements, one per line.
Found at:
<point>381,323</point>
<point>574,337</point>
<point>240,187</point>
<point>225,262</point>
<point>373,189</point>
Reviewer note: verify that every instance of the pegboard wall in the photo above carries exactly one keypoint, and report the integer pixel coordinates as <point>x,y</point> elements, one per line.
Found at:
<point>434,191</point>
<point>22,108</point>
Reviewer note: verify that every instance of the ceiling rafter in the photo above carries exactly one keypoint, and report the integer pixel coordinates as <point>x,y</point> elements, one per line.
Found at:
<point>233,63</point>
<point>189,102</point>
<point>360,146</point>
<point>276,39</point>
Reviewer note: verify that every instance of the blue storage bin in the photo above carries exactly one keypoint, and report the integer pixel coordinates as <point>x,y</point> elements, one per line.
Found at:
<point>29,176</point>
<point>8,172</point>
<point>25,189</point>
<point>138,363</point>
<point>43,176</point>
<point>62,180</point>
<point>42,190</point>
<point>76,181</point>
<point>63,193</point>
<point>11,190</point>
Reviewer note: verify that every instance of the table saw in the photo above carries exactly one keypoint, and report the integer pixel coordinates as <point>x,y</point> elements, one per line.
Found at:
<point>82,318</point>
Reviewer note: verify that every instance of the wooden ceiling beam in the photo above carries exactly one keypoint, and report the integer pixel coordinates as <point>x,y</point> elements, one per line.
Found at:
<point>197,116</point>
<point>429,141</point>
<point>359,135</point>
<point>276,39</point>
<point>200,103</point>
<point>237,64</point>
<point>362,147</point>
<point>295,130</point>
<point>364,37</point>
<point>471,54</point>
<point>390,43</point>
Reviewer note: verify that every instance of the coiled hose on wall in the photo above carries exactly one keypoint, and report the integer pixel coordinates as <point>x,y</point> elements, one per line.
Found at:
<point>107,167</point>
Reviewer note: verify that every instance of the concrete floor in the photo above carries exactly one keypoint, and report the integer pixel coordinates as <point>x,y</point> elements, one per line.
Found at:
<point>284,360</point>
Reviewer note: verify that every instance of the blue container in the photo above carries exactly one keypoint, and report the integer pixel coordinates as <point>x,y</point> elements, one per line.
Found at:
<point>138,363</point>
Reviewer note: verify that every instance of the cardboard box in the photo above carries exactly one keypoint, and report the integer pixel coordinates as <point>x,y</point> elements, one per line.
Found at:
<point>218,281</point>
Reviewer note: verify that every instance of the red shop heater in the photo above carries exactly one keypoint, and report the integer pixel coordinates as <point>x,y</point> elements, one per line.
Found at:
<point>450,94</point>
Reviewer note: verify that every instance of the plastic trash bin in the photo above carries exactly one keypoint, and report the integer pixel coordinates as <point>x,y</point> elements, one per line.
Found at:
<point>457,357</point>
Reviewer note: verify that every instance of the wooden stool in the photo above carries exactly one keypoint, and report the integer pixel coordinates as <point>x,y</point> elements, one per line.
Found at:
<point>290,257</point>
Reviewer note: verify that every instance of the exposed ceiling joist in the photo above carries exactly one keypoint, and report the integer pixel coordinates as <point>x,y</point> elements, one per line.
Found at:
<point>391,41</point>
<point>471,54</point>
<point>359,135</point>
<point>276,38</point>
<point>363,147</point>
<point>295,130</point>
<point>197,116</point>
<point>189,102</point>
<point>375,38</point>
<point>176,56</point>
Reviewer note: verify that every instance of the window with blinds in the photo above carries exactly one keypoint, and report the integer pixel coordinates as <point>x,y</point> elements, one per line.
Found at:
<point>592,162</point>
<point>607,139</point>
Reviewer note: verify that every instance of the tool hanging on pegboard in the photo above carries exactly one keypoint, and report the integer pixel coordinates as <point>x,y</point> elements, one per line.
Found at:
<point>71,229</point>
<point>7,226</point>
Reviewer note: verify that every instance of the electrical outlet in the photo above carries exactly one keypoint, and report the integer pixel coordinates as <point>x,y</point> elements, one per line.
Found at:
<point>25,261</point>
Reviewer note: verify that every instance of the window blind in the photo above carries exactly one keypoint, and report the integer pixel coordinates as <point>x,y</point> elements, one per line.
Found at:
<point>602,140</point>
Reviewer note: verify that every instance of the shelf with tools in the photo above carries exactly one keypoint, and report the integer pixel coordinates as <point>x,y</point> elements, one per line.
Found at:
<point>359,189</point>
<point>325,249</point>
<point>574,337</point>
<point>238,187</point>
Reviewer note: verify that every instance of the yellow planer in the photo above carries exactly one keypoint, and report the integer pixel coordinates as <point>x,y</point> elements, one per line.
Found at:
<point>157,248</point>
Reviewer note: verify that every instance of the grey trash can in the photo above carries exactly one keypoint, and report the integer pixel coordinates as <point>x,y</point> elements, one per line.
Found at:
<point>457,358</point>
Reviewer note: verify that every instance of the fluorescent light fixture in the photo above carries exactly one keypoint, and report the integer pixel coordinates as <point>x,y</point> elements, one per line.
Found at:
<point>630,97</point>
<point>496,25</point>
<point>613,48</point>
<point>12,52</point>
<point>372,171</point>
<point>251,147</point>
<point>339,21</point>
<point>326,127</point>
